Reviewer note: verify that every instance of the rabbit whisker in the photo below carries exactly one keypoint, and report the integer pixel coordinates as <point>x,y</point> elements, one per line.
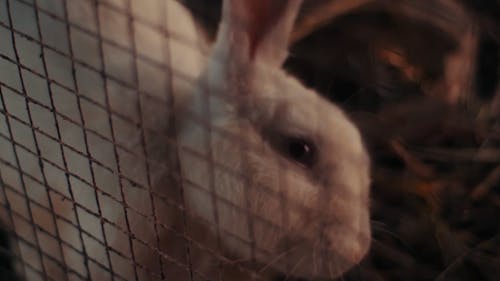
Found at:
<point>278,257</point>
<point>290,273</point>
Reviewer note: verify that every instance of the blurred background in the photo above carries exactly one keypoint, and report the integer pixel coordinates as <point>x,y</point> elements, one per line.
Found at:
<point>420,78</point>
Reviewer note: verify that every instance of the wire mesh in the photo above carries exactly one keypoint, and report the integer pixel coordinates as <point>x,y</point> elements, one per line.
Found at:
<point>64,135</point>
<point>78,126</point>
<point>95,184</point>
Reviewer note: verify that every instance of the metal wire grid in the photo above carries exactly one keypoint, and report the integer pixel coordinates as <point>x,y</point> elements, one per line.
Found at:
<point>55,157</point>
<point>35,180</point>
<point>33,267</point>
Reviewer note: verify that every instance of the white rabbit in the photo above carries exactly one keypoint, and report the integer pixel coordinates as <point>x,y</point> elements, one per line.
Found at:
<point>291,162</point>
<point>270,173</point>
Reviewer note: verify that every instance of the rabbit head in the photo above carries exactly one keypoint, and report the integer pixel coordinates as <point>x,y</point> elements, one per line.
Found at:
<point>276,171</point>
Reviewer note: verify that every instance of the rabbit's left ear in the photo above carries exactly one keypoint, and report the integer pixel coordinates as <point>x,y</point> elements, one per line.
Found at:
<point>267,25</point>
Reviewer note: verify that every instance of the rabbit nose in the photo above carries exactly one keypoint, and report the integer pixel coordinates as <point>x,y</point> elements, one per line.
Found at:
<point>348,243</point>
<point>356,249</point>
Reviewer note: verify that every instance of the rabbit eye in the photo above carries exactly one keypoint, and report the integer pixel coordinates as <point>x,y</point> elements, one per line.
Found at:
<point>301,151</point>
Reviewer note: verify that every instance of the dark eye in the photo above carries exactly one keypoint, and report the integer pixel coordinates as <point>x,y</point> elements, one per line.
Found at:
<point>300,150</point>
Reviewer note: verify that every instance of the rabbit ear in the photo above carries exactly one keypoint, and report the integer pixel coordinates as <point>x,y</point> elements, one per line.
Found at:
<point>259,29</point>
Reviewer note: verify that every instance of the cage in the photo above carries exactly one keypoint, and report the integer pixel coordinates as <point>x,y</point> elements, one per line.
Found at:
<point>201,140</point>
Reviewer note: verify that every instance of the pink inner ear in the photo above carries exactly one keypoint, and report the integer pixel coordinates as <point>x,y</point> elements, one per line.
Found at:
<point>263,16</point>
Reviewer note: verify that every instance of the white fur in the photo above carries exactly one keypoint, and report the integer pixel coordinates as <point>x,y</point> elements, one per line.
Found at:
<point>322,215</point>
